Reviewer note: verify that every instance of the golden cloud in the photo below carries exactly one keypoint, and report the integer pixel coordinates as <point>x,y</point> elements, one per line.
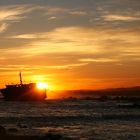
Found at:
<point>15,12</point>
<point>80,40</point>
<point>3,27</point>
<point>120,18</point>
<point>99,60</point>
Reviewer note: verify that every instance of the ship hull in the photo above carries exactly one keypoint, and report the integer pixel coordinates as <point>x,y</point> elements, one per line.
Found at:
<point>23,93</point>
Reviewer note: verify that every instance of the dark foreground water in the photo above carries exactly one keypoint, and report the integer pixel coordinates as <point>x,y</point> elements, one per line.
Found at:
<point>77,119</point>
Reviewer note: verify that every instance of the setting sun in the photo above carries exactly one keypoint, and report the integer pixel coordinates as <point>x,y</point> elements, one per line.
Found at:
<point>42,85</point>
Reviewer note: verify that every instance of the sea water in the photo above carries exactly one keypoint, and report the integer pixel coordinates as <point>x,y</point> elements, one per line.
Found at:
<point>77,119</point>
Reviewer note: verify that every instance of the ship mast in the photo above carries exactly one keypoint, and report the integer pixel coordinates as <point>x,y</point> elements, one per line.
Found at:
<point>20,78</point>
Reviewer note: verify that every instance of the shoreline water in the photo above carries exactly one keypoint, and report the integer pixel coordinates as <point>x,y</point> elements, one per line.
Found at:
<point>70,119</point>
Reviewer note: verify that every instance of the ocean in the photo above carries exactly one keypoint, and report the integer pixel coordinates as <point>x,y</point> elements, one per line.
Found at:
<point>76,119</point>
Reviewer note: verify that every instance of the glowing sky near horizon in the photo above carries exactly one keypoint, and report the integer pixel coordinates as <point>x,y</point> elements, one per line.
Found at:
<point>70,44</point>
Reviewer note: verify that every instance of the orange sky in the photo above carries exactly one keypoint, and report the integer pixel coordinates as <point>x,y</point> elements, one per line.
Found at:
<point>70,45</point>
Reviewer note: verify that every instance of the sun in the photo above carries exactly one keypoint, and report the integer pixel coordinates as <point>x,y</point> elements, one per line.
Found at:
<point>42,85</point>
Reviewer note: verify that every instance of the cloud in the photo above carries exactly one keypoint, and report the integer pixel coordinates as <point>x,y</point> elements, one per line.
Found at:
<point>79,13</point>
<point>116,17</point>
<point>80,40</point>
<point>36,67</point>
<point>15,12</point>
<point>52,18</point>
<point>61,11</point>
<point>51,10</point>
<point>25,36</point>
<point>67,66</point>
<point>99,60</point>
<point>11,13</point>
<point>3,27</point>
<point>62,40</point>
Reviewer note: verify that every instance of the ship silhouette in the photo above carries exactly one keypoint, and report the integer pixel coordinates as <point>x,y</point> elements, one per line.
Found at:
<point>23,92</point>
